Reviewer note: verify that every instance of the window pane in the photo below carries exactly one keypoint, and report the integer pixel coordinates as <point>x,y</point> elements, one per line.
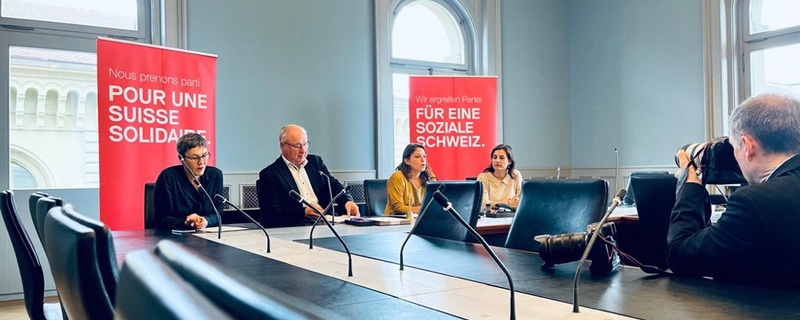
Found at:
<point>115,14</point>
<point>775,70</point>
<point>21,178</point>
<point>53,117</point>
<point>424,30</point>
<point>767,15</point>
<point>401,126</point>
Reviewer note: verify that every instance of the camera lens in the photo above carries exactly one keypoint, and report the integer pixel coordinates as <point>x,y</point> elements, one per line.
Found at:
<point>563,247</point>
<point>694,151</point>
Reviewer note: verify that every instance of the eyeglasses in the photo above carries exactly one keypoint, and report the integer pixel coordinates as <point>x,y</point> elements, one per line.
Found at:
<point>203,157</point>
<point>299,145</point>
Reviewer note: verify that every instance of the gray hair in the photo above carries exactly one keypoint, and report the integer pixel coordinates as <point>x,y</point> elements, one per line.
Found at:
<point>771,119</point>
<point>189,141</point>
<point>285,131</point>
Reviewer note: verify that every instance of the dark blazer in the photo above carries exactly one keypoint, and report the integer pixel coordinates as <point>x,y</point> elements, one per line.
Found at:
<point>175,197</point>
<point>756,240</point>
<point>278,209</point>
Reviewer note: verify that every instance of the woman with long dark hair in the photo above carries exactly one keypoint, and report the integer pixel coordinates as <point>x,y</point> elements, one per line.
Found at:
<point>502,182</point>
<point>406,186</point>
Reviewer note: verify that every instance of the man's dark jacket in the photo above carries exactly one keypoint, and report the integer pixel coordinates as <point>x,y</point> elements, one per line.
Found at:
<point>278,209</point>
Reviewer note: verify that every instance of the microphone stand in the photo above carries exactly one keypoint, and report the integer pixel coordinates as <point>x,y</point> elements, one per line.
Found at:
<point>222,199</point>
<point>614,203</point>
<point>448,206</point>
<point>616,169</point>
<point>414,227</point>
<point>300,199</point>
<point>330,194</point>
<point>200,186</point>
<point>330,205</point>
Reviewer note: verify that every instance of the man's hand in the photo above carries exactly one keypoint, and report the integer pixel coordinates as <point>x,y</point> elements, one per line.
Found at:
<point>352,209</point>
<point>311,213</point>
<point>683,160</point>
<point>196,221</point>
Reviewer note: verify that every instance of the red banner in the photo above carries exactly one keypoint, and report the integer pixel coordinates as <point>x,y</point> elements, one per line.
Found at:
<point>147,98</point>
<point>456,119</point>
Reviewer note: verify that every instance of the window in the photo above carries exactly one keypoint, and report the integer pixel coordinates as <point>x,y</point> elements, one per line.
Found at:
<point>770,45</point>
<point>425,30</point>
<point>125,18</point>
<point>55,86</point>
<point>427,37</point>
<point>49,48</point>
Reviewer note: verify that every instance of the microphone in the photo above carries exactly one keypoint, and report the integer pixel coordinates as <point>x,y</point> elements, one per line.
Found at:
<point>614,203</point>
<point>414,227</point>
<point>330,194</point>
<point>299,198</point>
<point>322,215</point>
<point>200,186</point>
<point>222,199</point>
<point>448,206</point>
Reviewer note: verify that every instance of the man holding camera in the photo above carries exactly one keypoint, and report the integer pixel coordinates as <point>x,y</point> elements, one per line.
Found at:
<point>756,239</point>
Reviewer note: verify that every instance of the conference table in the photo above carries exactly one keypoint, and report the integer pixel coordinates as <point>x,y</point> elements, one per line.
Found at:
<point>451,279</point>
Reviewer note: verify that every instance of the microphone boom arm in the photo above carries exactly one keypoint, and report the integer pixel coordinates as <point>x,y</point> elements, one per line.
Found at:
<point>449,208</point>
<point>330,207</point>
<point>414,227</point>
<point>300,199</point>
<point>614,203</point>
<point>225,201</point>
<point>200,186</point>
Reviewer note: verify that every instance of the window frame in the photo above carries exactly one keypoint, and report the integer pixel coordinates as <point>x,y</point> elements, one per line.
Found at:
<point>85,31</point>
<point>749,43</point>
<point>63,36</point>
<point>480,25</point>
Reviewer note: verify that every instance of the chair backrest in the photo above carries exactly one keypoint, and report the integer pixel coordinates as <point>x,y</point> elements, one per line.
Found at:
<point>630,198</point>
<point>466,199</point>
<point>234,297</point>
<point>32,201</point>
<point>555,207</point>
<point>30,269</point>
<point>106,254</point>
<point>72,251</point>
<point>149,205</point>
<point>43,206</point>
<point>376,196</point>
<point>149,289</point>
<point>655,197</point>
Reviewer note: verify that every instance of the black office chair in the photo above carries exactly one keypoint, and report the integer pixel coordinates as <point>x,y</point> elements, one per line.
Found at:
<point>242,301</point>
<point>30,269</point>
<point>72,251</point>
<point>630,198</point>
<point>149,206</point>
<point>43,205</point>
<point>466,199</point>
<point>32,200</point>
<point>106,255</point>
<point>655,197</point>
<point>149,289</point>
<point>376,196</point>
<point>555,207</point>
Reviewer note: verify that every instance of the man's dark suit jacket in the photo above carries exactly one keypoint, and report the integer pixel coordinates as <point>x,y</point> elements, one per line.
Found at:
<point>756,240</point>
<point>278,209</point>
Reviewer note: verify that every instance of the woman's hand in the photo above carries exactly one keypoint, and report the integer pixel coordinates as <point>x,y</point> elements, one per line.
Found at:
<point>196,221</point>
